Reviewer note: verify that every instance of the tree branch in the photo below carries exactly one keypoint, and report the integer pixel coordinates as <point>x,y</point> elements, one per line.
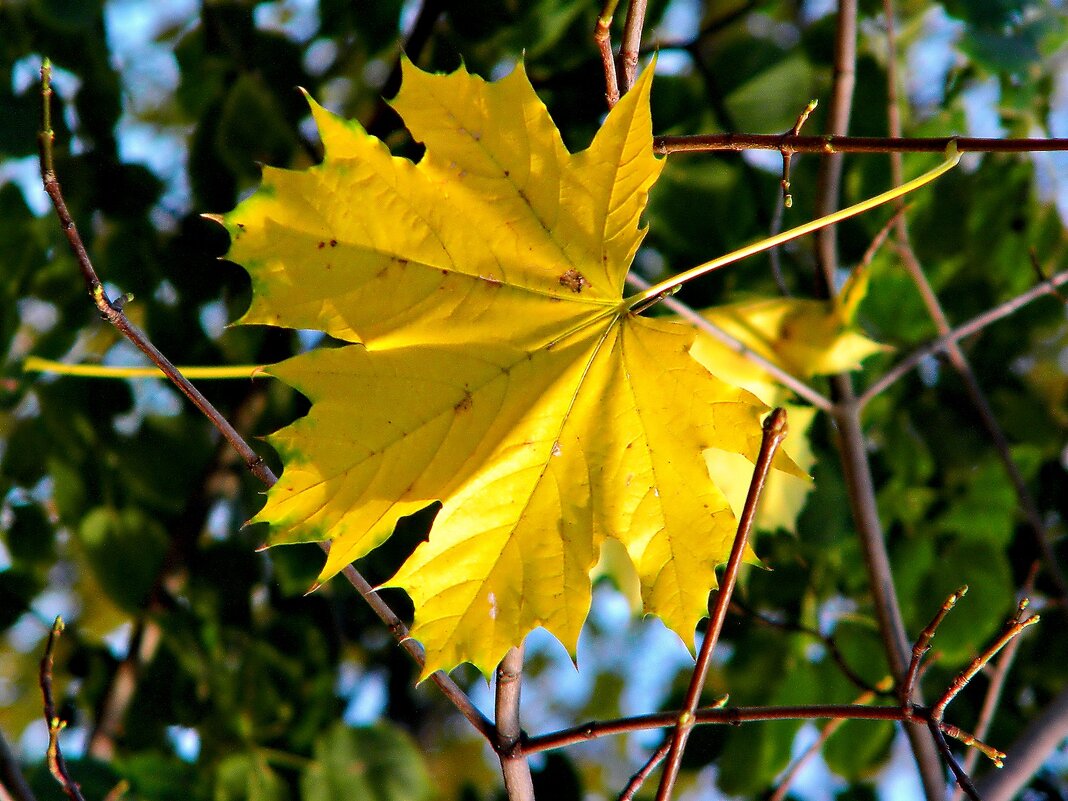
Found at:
<point>514,765</point>
<point>774,432</point>
<point>632,40</point>
<point>831,144</point>
<point>12,782</point>
<point>114,314</point>
<point>57,765</point>
<point>976,324</point>
<point>854,456</point>
<point>960,362</point>
<point>602,36</point>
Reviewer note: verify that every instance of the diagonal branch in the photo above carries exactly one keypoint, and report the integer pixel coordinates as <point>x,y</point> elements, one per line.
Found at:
<point>114,314</point>
<point>973,326</point>
<point>13,784</point>
<point>773,434</point>
<point>960,362</point>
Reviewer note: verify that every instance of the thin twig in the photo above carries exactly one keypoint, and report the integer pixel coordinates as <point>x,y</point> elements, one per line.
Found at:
<point>253,461</point>
<point>960,362</point>
<point>774,432</point>
<point>721,716</point>
<point>629,47</point>
<point>518,783</point>
<point>113,312</point>
<point>826,640</point>
<point>602,35</point>
<point>995,685</point>
<point>57,765</point>
<point>12,782</point>
<point>923,645</point>
<point>831,144</point>
<point>788,155</point>
<point>810,753</point>
<point>963,780</point>
<point>638,779</point>
<point>976,324</point>
<point>1016,626</point>
<point>789,381</point>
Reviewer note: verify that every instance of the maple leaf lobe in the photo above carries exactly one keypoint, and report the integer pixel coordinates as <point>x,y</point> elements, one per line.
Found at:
<point>492,367</point>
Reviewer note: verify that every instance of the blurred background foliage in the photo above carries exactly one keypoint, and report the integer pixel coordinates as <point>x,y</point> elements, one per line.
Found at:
<point>195,668</point>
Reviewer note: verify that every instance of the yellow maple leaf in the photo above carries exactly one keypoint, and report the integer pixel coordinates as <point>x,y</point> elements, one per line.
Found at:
<point>493,365</point>
<point>804,337</point>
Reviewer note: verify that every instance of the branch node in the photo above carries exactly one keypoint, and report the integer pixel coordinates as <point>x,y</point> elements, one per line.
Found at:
<point>787,152</point>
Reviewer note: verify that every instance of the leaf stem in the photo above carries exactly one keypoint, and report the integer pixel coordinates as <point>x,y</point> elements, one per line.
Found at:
<point>788,380</point>
<point>35,364</point>
<point>664,287</point>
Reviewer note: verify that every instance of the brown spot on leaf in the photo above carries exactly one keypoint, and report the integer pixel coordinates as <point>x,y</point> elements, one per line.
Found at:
<point>322,245</point>
<point>333,243</point>
<point>241,226</point>
<point>464,403</point>
<point>574,280</point>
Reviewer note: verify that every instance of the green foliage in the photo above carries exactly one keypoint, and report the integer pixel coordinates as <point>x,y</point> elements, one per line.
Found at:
<point>118,503</point>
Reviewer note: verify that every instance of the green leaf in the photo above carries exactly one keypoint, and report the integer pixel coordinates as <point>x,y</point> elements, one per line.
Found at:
<point>246,777</point>
<point>125,550</point>
<point>374,763</point>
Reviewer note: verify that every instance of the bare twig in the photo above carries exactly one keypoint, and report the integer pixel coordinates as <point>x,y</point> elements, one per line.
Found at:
<point>728,716</point>
<point>638,779</point>
<point>995,684</point>
<point>774,432</point>
<point>826,640</point>
<point>57,765</point>
<point>976,324</point>
<point>632,40</point>
<point>113,312</point>
<point>602,35</point>
<point>831,144</point>
<point>923,645</point>
<point>252,460</point>
<point>517,780</point>
<point>788,155</point>
<point>963,780</point>
<point>1017,625</point>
